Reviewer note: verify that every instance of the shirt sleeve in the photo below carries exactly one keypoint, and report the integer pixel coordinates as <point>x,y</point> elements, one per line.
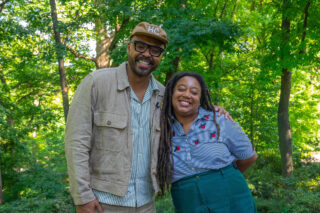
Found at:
<point>237,141</point>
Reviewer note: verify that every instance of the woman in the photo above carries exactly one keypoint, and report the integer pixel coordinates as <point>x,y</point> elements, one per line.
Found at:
<point>200,154</point>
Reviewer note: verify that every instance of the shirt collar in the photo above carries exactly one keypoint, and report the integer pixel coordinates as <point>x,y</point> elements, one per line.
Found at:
<point>202,114</point>
<point>122,77</point>
<point>153,84</point>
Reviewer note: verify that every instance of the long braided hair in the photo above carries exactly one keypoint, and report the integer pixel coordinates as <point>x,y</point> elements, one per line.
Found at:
<point>165,164</point>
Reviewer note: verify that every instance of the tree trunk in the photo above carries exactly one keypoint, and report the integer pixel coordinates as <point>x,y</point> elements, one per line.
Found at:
<point>252,96</point>
<point>253,5</point>
<point>234,9</point>
<point>60,55</point>
<point>304,28</point>
<point>283,110</point>
<point>284,124</point>
<point>102,44</point>
<point>105,42</point>
<point>3,81</point>
<point>175,63</point>
<point>64,88</point>
<point>1,199</point>
<point>223,9</point>
<point>216,8</point>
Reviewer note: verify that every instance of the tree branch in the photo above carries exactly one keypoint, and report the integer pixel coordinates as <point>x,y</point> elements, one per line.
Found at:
<point>77,54</point>
<point>234,9</point>
<point>74,51</point>
<point>223,9</point>
<point>305,24</point>
<point>3,4</point>
<point>28,95</point>
<point>20,83</point>
<point>215,9</point>
<point>118,29</point>
<point>3,79</point>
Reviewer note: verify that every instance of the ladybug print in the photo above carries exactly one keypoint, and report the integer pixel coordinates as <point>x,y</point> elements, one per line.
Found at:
<point>213,135</point>
<point>203,126</point>
<point>206,117</point>
<point>196,142</point>
<point>177,148</point>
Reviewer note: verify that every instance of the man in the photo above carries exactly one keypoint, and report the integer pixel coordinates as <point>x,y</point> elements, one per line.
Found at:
<point>113,130</point>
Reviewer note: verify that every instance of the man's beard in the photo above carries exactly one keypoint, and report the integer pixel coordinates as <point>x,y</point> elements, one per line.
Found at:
<point>141,72</point>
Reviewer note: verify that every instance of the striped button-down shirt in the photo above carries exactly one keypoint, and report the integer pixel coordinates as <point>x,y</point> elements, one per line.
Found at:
<point>201,150</point>
<point>140,190</point>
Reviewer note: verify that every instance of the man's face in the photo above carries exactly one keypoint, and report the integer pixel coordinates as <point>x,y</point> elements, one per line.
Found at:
<point>143,63</point>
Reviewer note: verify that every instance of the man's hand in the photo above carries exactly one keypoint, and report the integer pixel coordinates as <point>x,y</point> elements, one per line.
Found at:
<point>243,165</point>
<point>89,207</point>
<point>221,110</point>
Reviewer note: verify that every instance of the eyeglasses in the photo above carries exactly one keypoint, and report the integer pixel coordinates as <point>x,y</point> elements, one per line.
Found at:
<point>141,47</point>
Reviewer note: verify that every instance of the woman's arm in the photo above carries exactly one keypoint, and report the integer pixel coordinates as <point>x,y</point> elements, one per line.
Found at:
<point>243,165</point>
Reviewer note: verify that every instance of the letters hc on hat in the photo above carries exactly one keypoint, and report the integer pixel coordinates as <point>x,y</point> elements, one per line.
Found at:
<point>150,30</point>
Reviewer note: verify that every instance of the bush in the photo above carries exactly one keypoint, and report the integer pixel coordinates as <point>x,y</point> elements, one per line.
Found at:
<point>39,189</point>
<point>164,204</point>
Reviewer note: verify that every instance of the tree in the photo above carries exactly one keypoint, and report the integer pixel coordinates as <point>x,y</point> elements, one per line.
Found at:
<point>1,199</point>
<point>110,21</point>
<point>286,57</point>
<point>285,138</point>
<point>60,56</point>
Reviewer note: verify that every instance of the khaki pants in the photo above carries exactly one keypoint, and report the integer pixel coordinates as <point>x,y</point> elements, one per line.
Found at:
<point>148,208</point>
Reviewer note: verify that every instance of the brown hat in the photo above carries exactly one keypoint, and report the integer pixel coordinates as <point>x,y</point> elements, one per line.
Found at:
<point>150,30</point>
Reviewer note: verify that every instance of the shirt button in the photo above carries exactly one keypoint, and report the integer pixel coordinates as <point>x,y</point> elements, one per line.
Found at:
<point>108,122</point>
<point>188,156</point>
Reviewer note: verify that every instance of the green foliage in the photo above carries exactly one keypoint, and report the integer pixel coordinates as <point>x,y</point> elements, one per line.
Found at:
<point>164,204</point>
<point>40,189</point>
<point>40,184</point>
<point>277,194</point>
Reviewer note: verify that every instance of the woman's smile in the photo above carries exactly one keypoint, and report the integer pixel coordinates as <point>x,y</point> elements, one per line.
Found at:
<point>186,97</point>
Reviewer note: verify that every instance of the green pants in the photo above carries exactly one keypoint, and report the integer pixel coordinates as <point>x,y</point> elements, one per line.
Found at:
<point>216,191</point>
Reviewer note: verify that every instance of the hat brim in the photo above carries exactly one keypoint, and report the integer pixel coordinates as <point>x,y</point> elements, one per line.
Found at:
<point>163,40</point>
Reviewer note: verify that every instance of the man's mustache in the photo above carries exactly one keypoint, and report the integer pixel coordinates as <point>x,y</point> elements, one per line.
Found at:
<point>145,59</point>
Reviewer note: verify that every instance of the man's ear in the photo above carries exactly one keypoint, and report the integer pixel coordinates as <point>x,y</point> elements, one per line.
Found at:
<point>128,47</point>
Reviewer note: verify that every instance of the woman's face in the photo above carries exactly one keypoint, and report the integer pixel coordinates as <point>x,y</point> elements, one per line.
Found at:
<point>186,97</point>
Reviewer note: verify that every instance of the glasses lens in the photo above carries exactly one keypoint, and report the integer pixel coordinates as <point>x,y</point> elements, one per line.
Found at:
<point>155,51</point>
<point>140,47</point>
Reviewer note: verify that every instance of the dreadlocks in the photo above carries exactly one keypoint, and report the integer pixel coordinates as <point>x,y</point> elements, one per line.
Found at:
<point>165,159</point>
